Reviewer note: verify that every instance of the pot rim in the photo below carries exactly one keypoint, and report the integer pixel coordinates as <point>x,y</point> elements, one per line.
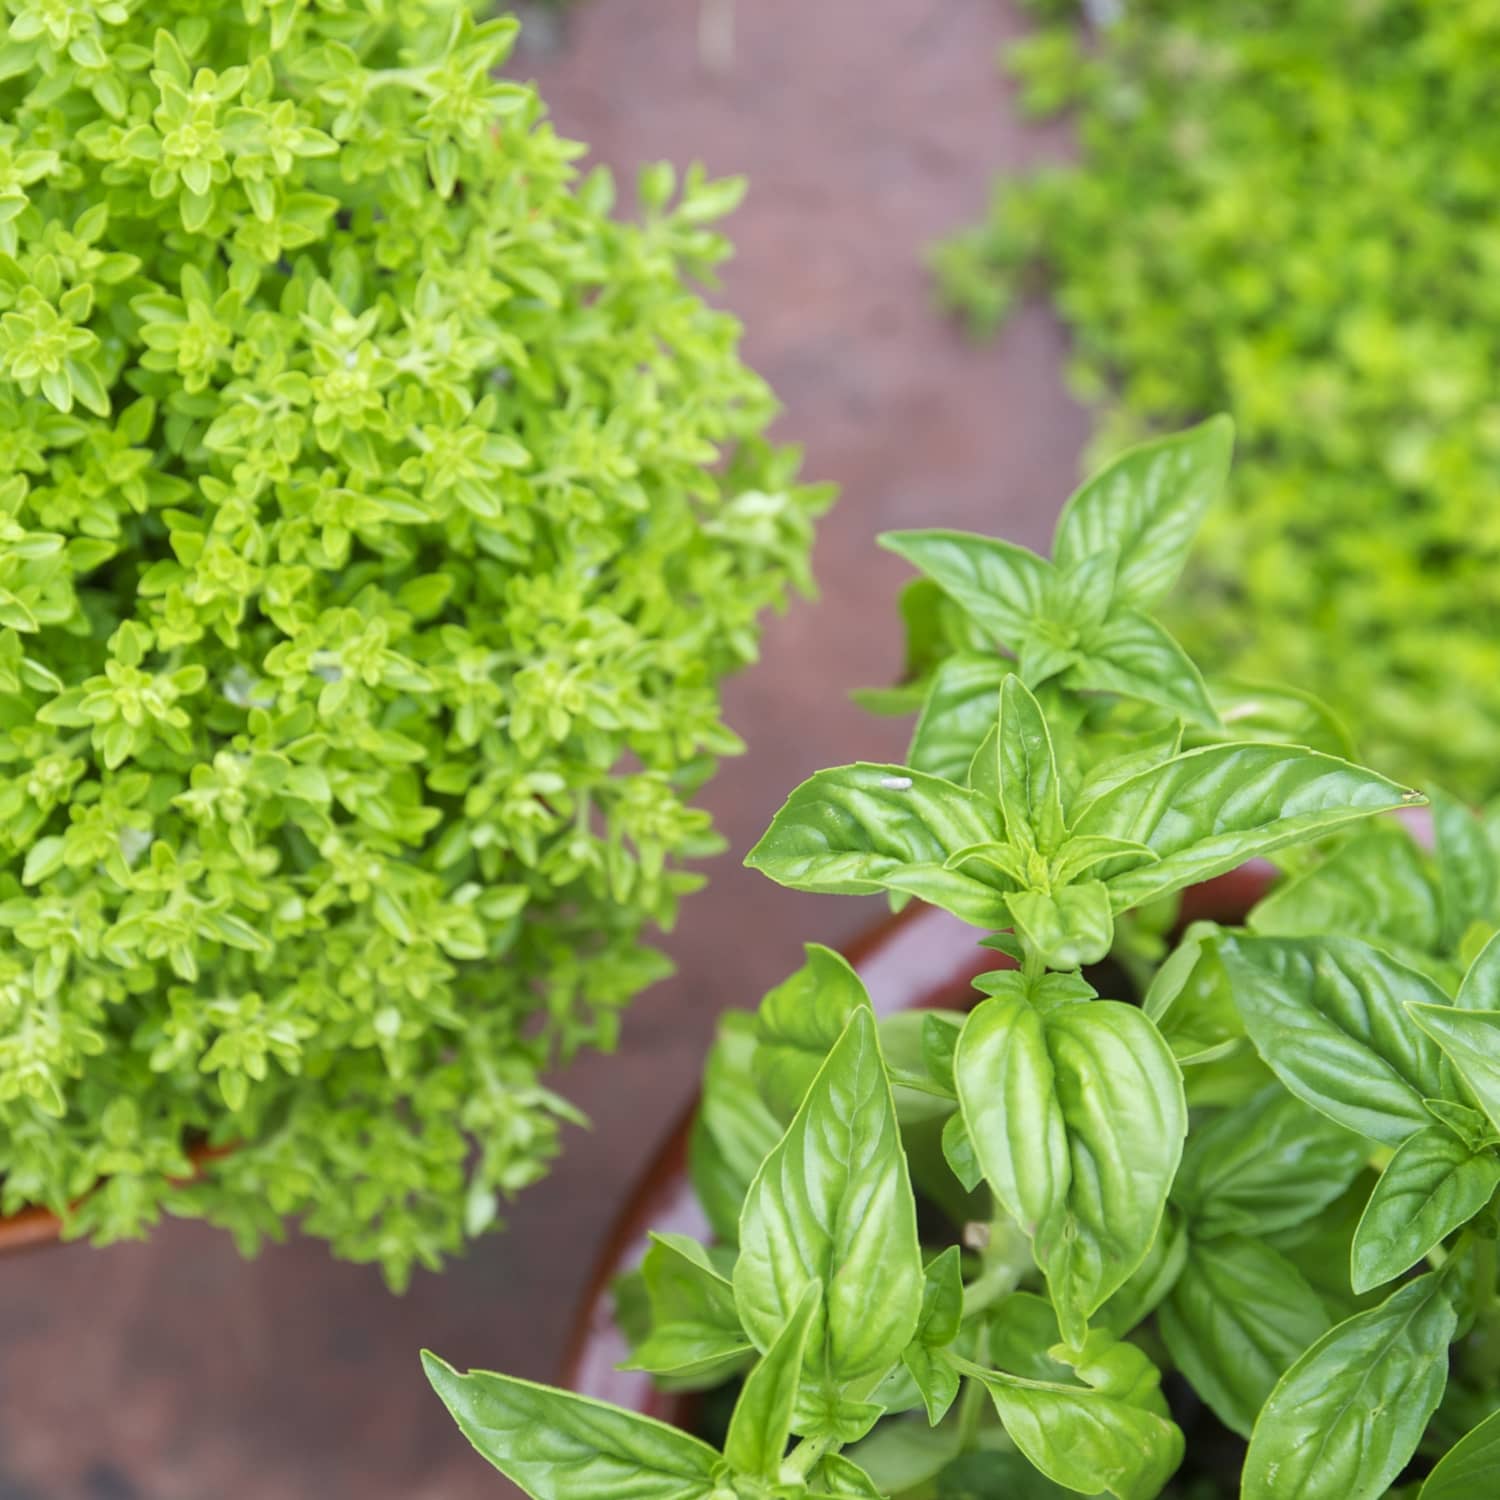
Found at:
<point>36,1228</point>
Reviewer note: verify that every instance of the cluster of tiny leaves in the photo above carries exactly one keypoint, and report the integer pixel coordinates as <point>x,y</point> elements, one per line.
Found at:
<point>378,515</point>
<point>1286,209</point>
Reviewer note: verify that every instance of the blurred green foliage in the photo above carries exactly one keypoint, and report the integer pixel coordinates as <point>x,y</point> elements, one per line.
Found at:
<point>1290,210</point>
<point>378,516</point>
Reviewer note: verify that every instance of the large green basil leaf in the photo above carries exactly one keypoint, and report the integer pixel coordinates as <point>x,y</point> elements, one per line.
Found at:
<point>1206,811</point>
<point>1069,926</point>
<point>1263,1166</point>
<point>858,829</point>
<point>1146,507</point>
<point>558,1446</point>
<point>1030,795</point>
<point>1000,586</point>
<point>1086,1440</point>
<point>1077,1119</point>
<point>1471,1040</point>
<point>1469,1467</point>
<point>1132,655</point>
<point>1238,1316</point>
<point>937,1327</point>
<point>1328,1015</point>
<point>798,1024</point>
<point>695,1329</point>
<point>1374,885</point>
<point>1013,1119</point>
<point>734,1130</point>
<point>762,1418</point>
<point>833,1205</point>
<point>958,712</point>
<point>1120,1093</point>
<point>1433,1184</point>
<point>1347,1417</point>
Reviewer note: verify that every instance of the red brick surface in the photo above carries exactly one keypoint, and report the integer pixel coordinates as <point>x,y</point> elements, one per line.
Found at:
<point>172,1371</point>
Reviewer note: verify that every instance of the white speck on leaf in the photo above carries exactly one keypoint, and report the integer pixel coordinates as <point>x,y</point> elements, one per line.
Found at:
<point>896,783</point>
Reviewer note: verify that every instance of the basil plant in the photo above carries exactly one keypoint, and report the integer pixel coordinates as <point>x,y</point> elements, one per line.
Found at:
<point>1194,1212</point>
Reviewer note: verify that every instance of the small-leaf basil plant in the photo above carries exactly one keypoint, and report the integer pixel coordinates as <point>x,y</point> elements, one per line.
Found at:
<point>1203,1212</point>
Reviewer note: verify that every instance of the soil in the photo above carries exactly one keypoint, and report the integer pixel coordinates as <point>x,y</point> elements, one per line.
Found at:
<point>173,1371</point>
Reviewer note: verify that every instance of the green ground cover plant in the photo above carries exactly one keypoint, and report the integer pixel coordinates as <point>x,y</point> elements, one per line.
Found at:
<point>1228,1230</point>
<point>379,512</point>
<point>1286,209</point>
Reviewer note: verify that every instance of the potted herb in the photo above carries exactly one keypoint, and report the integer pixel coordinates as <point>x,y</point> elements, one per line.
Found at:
<point>368,573</point>
<point>1210,1216</point>
<point>1250,226</point>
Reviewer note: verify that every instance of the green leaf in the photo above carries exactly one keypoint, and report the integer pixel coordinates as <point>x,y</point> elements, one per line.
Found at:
<point>735,1131</point>
<point>695,1329</point>
<point>1007,1094</point>
<point>1348,1415</point>
<point>1278,714</point>
<point>1469,1467</point>
<point>1077,1120</point>
<point>999,585</point>
<point>1471,1041</point>
<point>1146,507</point>
<point>1130,654</point>
<point>937,1327</point>
<point>557,1446</point>
<point>1375,885</point>
<point>865,828</point>
<point>1432,1186</point>
<point>1190,1000</point>
<point>958,712</point>
<point>1121,1098</point>
<point>843,1479</point>
<point>1468,867</point>
<point>762,1419</point>
<point>832,1205</point>
<point>798,1024</point>
<point>1030,796</point>
<point>1083,1439</point>
<point>44,858</point>
<point>1206,811</point>
<point>1264,1166</point>
<point>1150,1282</point>
<point>1238,1317</point>
<point>1480,989</point>
<point>1068,927</point>
<point>1329,1017</point>
<point>959,1153</point>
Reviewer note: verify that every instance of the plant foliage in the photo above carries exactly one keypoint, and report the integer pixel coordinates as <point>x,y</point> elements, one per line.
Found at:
<point>367,573</point>
<point>1286,209</point>
<point>959,1254</point>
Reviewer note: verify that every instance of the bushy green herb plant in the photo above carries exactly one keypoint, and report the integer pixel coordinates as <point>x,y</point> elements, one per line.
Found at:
<point>1270,1176</point>
<point>1287,209</point>
<point>367,572</point>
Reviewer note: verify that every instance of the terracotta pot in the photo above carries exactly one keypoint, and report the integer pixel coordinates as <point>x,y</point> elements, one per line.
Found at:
<point>921,959</point>
<point>33,1227</point>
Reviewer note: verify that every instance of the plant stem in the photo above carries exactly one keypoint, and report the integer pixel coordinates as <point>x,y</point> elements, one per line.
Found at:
<point>803,1459</point>
<point>1032,965</point>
